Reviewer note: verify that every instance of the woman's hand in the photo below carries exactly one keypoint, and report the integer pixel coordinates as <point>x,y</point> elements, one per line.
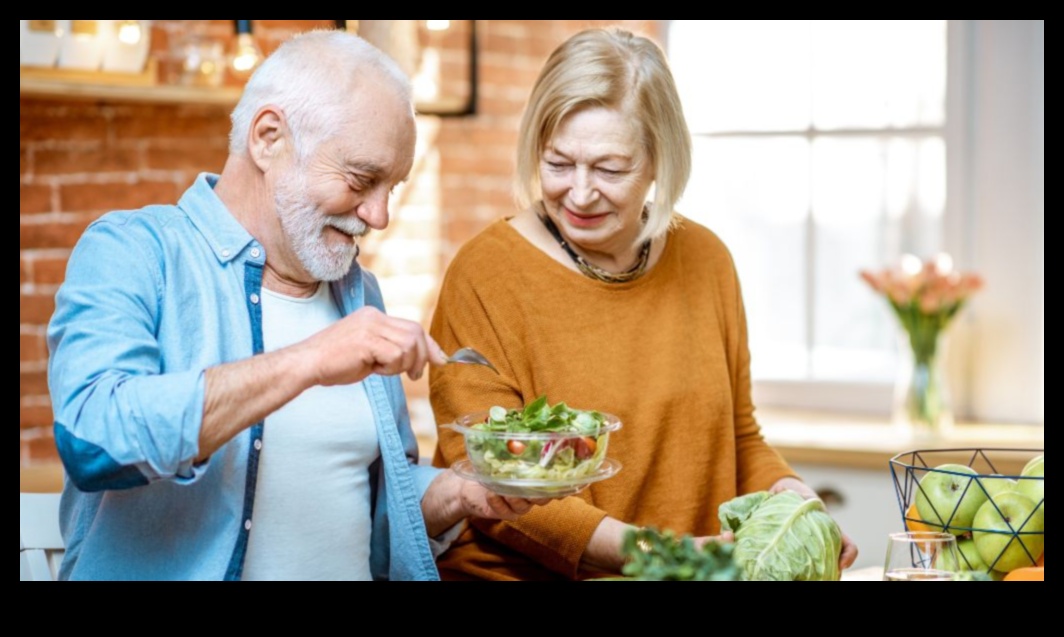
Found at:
<point>849,549</point>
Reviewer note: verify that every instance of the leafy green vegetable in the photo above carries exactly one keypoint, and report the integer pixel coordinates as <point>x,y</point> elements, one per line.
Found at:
<point>540,417</point>
<point>783,537</point>
<point>540,442</point>
<point>664,557</point>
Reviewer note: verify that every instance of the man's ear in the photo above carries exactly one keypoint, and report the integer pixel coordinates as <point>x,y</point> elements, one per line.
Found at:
<point>268,137</point>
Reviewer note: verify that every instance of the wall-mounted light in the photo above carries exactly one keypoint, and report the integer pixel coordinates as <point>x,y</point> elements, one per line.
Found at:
<point>246,52</point>
<point>437,25</point>
<point>130,32</point>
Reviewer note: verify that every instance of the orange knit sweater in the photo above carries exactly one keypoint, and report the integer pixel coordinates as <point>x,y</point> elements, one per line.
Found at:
<point>667,353</point>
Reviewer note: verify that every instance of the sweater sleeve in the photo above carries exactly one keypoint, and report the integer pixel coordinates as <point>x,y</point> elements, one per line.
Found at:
<point>759,465</point>
<point>557,535</point>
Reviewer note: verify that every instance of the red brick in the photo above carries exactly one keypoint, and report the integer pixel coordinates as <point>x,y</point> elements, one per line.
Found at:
<point>500,106</point>
<point>509,43</point>
<point>36,309</point>
<point>475,165</point>
<point>57,109</point>
<point>106,197</point>
<point>33,384</point>
<point>35,417</point>
<point>507,75</point>
<point>65,162</point>
<point>464,200</point>
<point>459,231</point>
<point>175,125</point>
<point>63,127</point>
<point>42,450</point>
<point>24,272</point>
<point>268,44</point>
<point>34,199</point>
<point>198,159</point>
<point>31,348</point>
<point>49,271</point>
<point>23,162</point>
<point>49,236</point>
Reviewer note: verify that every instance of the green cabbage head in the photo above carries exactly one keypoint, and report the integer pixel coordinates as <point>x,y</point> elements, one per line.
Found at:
<point>783,537</point>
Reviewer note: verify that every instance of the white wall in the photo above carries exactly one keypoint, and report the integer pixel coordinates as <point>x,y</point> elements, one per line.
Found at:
<point>1039,122</point>
<point>994,220</point>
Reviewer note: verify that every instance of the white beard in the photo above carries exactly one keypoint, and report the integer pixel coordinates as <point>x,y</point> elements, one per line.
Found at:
<point>304,224</point>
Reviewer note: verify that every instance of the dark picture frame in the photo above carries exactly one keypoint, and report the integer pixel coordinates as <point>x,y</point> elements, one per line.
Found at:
<point>440,56</point>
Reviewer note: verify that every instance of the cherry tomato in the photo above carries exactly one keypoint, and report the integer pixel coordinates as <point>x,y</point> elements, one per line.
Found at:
<point>516,447</point>
<point>585,448</point>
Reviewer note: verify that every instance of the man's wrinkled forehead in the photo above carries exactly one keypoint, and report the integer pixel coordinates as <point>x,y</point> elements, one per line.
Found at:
<point>376,137</point>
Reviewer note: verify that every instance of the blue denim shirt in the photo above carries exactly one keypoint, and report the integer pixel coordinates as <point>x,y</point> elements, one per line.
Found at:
<point>152,299</point>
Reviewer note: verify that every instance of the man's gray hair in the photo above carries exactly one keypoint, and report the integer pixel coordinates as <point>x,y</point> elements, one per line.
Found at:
<point>310,78</point>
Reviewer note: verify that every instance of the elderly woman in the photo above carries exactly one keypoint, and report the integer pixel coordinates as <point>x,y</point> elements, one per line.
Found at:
<point>599,295</point>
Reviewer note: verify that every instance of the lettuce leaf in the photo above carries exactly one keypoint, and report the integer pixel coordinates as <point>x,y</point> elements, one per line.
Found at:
<point>783,537</point>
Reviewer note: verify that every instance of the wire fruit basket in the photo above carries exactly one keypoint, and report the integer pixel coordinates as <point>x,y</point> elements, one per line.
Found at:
<point>996,510</point>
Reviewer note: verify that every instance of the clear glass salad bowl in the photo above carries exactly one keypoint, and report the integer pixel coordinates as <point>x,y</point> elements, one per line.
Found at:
<point>556,462</point>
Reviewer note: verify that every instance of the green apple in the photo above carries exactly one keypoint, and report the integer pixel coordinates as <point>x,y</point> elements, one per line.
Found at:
<point>949,497</point>
<point>997,484</point>
<point>1032,464</point>
<point>971,561</point>
<point>1032,482</point>
<point>1005,528</point>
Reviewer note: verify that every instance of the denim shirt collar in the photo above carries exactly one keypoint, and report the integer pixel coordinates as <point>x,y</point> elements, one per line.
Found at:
<point>224,234</point>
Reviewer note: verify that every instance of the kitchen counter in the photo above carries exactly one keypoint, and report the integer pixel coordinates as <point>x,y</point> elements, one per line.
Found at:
<point>863,442</point>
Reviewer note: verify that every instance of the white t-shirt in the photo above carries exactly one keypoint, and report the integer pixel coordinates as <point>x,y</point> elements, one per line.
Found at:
<point>312,518</point>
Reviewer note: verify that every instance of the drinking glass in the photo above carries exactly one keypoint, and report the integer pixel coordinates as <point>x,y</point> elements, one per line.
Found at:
<point>922,557</point>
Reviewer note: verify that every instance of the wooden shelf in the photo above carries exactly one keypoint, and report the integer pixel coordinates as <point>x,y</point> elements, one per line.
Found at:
<point>112,87</point>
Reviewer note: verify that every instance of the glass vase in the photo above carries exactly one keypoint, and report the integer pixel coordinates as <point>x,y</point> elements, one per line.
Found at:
<point>922,403</point>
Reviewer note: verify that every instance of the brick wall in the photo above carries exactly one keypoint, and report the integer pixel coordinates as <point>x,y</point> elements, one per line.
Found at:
<point>78,160</point>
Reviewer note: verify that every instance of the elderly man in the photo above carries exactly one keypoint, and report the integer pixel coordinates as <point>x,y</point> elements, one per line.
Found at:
<point>224,377</point>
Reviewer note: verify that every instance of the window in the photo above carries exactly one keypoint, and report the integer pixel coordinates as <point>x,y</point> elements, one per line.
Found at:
<point>826,147</point>
<point>820,150</point>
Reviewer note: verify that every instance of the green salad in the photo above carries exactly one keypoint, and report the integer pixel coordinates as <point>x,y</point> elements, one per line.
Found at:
<point>541,442</point>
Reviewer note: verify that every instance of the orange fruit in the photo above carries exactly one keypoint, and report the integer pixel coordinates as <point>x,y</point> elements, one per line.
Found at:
<point>914,523</point>
<point>1027,575</point>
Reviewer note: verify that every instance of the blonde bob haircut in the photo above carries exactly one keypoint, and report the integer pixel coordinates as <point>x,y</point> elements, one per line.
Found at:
<point>617,70</point>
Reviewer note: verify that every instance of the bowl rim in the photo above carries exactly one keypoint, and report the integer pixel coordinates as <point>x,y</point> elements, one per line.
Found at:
<point>463,425</point>
<point>609,468</point>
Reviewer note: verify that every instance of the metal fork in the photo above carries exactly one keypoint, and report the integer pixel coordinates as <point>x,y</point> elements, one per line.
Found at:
<point>470,356</point>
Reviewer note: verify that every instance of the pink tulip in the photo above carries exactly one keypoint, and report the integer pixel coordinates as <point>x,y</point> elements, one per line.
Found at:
<point>874,281</point>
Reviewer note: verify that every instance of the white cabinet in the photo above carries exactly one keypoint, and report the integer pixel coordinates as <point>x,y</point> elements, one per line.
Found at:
<point>862,501</point>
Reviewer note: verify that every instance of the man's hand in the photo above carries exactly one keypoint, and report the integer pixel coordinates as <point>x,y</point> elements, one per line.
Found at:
<point>370,342</point>
<point>450,499</point>
<point>367,342</point>
<point>849,549</point>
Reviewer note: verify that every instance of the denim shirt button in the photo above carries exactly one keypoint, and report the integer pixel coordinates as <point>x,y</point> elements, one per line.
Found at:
<point>254,299</point>
<point>256,253</point>
<point>247,526</point>
<point>258,445</point>
<point>226,254</point>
